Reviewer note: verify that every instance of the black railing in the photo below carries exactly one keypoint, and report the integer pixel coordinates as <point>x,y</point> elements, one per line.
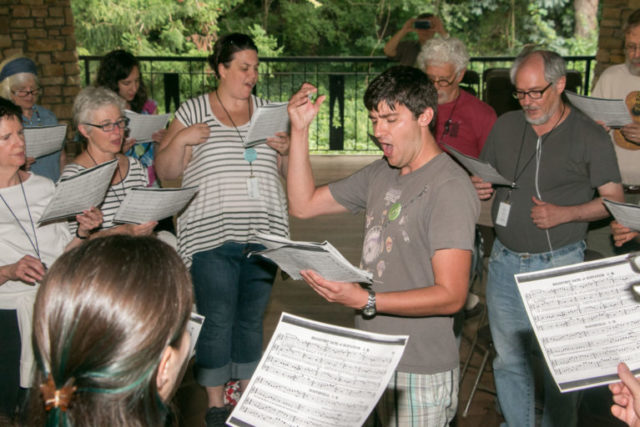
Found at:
<point>344,125</point>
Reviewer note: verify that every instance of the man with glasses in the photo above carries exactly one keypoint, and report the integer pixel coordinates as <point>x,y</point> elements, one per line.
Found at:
<point>463,121</point>
<point>555,157</point>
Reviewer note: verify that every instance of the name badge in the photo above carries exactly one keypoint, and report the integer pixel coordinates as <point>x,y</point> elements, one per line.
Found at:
<point>503,214</point>
<point>253,187</point>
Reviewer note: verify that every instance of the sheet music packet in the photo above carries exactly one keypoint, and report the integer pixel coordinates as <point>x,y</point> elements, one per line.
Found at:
<point>613,112</point>
<point>586,319</point>
<point>44,140</point>
<point>479,168</point>
<point>143,126</point>
<point>80,192</point>
<point>194,325</point>
<point>313,374</point>
<point>266,122</point>
<point>322,258</point>
<point>144,204</point>
<point>627,214</point>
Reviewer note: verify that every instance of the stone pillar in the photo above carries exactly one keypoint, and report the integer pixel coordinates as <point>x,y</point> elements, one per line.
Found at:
<point>611,38</point>
<point>43,31</point>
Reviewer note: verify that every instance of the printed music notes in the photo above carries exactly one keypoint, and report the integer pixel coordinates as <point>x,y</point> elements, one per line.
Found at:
<point>586,319</point>
<point>314,374</point>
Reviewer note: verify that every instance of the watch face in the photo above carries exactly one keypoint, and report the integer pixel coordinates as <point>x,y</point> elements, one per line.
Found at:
<point>369,311</point>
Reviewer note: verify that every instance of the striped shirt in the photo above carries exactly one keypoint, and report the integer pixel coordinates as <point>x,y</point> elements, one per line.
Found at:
<point>222,210</point>
<point>136,177</point>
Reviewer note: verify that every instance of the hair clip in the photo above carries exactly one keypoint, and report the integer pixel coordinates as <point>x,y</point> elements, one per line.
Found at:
<point>57,398</point>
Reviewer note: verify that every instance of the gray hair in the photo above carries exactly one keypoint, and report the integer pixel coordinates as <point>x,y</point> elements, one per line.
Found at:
<point>15,81</point>
<point>91,99</point>
<point>440,51</point>
<point>554,66</point>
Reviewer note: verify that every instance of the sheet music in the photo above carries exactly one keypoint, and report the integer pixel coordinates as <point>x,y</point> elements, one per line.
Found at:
<point>626,214</point>
<point>323,258</point>
<point>82,191</point>
<point>613,112</point>
<point>479,168</point>
<point>143,126</point>
<point>586,320</point>
<point>44,140</point>
<point>313,374</point>
<point>194,325</point>
<point>266,122</point>
<point>152,204</point>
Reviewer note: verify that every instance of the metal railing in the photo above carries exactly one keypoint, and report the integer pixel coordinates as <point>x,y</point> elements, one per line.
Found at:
<point>344,126</point>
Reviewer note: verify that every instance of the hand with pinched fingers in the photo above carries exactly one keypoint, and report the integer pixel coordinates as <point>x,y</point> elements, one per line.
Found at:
<point>89,220</point>
<point>622,234</point>
<point>626,397</point>
<point>302,110</point>
<point>195,134</point>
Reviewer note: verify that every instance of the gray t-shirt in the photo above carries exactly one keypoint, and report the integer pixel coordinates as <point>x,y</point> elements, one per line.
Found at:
<point>577,157</point>
<point>408,218</point>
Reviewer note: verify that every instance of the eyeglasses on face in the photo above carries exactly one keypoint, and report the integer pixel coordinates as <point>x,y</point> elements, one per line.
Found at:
<point>121,123</point>
<point>533,94</point>
<point>443,82</point>
<point>632,48</point>
<point>23,93</point>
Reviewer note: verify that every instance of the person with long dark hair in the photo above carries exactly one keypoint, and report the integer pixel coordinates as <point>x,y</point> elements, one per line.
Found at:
<point>120,71</point>
<point>239,195</point>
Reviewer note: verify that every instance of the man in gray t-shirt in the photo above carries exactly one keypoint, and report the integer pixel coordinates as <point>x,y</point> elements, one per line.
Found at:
<point>420,219</point>
<point>556,158</point>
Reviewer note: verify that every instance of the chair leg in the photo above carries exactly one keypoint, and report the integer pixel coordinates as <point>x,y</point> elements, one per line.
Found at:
<point>475,385</point>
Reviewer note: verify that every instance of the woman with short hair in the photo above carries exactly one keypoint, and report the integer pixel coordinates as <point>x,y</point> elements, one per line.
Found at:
<point>26,247</point>
<point>98,113</point>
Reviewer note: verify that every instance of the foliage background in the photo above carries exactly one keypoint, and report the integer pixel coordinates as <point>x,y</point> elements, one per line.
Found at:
<point>183,28</point>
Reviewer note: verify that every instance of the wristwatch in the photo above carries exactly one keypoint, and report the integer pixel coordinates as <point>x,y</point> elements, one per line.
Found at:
<point>369,310</point>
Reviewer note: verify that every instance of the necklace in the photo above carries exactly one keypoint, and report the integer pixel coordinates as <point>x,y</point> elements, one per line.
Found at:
<point>29,121</point>
<point>112,187</point>
<point>250,154</point>
<point>34,241</point>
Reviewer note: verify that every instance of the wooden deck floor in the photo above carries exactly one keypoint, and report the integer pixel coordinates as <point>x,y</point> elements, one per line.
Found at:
<point>346,232</point>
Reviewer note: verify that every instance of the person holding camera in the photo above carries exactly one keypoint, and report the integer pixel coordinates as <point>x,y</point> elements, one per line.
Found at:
<point>426,25</point>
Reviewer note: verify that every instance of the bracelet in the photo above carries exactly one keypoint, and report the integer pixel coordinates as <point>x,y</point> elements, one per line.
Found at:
<point>81,237</point>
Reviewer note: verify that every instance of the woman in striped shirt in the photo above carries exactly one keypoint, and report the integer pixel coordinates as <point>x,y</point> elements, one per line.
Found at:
<point>239,195</point>
<point>98,114</point>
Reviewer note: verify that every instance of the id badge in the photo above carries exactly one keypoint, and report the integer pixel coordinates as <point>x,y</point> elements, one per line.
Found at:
<point>503,214</point>
<point>253,187</point>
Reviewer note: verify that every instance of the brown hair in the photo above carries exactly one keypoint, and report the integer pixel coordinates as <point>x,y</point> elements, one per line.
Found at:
<point>103,316</point>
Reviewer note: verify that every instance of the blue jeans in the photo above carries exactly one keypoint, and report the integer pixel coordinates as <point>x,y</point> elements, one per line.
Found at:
<point>232,292</point>
<point>515,342</point>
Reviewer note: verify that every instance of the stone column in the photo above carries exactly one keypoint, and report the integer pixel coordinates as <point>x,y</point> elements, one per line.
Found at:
<point>43,31</point>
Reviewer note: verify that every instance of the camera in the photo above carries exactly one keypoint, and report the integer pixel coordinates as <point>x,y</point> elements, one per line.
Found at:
<point>422,25</point>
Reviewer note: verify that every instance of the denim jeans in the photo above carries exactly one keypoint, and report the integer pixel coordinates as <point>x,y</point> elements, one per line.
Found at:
<point>515,342</point>
<point>232,292</point>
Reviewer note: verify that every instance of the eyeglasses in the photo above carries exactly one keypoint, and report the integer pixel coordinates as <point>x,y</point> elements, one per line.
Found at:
<point>23,93</point>
<point>533,94</point>
<point>632,48</point>
<point>121,123</point>
<point>443,82</point>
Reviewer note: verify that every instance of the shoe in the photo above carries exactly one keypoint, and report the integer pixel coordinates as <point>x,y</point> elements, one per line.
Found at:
<point>217,417</point>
